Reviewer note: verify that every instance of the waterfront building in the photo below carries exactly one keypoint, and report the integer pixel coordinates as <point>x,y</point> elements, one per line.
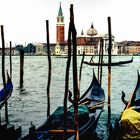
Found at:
<point>39,48</point>
<point>88,43</point>
<point>129,47</point>
<point>114,49</point>
<point>7,51</point>
<point>57,49</point>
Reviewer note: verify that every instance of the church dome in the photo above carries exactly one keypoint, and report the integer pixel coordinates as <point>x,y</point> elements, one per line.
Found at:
<point>92,31</point>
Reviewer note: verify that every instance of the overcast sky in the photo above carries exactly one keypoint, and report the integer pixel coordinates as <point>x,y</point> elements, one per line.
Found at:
<point>24,20</point>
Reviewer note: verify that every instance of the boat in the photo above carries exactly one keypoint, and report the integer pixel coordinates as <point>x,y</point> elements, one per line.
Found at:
<point>129,118</point>
<point>90,107</point>
<point>9,88</point>
<point>92,63</point>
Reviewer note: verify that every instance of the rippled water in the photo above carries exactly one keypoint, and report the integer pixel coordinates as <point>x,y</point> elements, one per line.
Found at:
<point>30,103</point>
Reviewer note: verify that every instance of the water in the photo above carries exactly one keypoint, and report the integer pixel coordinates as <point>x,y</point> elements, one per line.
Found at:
<point>29,105</point>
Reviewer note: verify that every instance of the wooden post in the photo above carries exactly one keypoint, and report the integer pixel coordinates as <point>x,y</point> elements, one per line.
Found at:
<point>10,60</point>
<point>75,78</point>
<point>80,73</point>
<point>21,67</point>
<point>3,71</point>
<point>49,68</point>
<point>109,69</point>
<point>67,81</point>
<point>101,68</point>
<point>99,61</point>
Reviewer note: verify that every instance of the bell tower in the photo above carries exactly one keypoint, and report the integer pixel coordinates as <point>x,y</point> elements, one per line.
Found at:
<point>60,27</point>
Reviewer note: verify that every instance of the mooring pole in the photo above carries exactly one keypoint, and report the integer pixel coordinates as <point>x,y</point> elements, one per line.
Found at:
<point>21,67</point>
<point>99,61</point>
<point>11,60</point>
<point>3,71</point>
<point>102,54</point>
<point>80,73</point>
<point>67,80</point>
<point>75,78</point>
<point>49,68</point>
<point>109,69</point>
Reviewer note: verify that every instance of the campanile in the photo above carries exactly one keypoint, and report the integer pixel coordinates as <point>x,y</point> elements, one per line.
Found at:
<point>60,27</point>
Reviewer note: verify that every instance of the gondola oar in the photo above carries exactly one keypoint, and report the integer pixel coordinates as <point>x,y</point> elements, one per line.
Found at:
<point>49,69</point>
<point>3,71</point>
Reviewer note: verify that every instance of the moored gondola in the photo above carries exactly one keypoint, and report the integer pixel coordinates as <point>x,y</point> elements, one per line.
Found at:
<point>92,63</point>
<point>129,117</point>
<point>4,96</point>
<point>90,108</point>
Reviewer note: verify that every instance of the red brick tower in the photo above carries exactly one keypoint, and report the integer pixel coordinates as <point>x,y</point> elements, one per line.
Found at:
<point>60,33</point>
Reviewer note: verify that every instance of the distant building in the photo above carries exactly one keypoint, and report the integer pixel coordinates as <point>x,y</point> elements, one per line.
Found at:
<point>7,51</point>
<point>40,48</point>
<point>114,49</point>
<point>129,47</point>
<point>88,43</point>
<point>91,42</point>
<point>57,49</point>
<point>60,27</point>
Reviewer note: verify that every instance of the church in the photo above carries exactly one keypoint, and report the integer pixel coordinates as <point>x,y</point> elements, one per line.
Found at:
<point>88,43</point>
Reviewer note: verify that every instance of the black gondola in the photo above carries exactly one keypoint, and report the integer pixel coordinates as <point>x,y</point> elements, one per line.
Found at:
<point>129,117</point>
<point>90,108</point>
<point>5,96</point>
<point>92,63</point>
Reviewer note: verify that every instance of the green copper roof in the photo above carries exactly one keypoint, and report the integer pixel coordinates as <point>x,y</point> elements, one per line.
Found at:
<point>60,13</point>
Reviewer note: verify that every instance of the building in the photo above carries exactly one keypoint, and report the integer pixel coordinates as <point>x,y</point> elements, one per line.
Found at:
<point>39,48</point>
<point>7,51</point>
<point>88,43</point>
<point>60,27</point>
<point>57,49</point>
<point>114,49</point>
<point>129,47</point>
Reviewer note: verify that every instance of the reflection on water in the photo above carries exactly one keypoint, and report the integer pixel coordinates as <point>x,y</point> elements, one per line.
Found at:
<point>29,103</point>
<point>22,90</point>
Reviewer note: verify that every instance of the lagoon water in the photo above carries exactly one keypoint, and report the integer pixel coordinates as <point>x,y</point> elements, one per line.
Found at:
<point>30,104</point>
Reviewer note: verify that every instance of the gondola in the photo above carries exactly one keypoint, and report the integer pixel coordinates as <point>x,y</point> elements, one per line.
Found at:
<point>91,105</point>
<point>92,63</point>
<point>5,96</point>
<point>129,117</point>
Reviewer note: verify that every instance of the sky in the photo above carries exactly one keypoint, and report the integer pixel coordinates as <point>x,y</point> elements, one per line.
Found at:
<point>24,20</point>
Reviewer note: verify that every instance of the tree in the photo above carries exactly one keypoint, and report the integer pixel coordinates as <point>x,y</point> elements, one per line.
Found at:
<point>31,48</point>
<point>19,47</point>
